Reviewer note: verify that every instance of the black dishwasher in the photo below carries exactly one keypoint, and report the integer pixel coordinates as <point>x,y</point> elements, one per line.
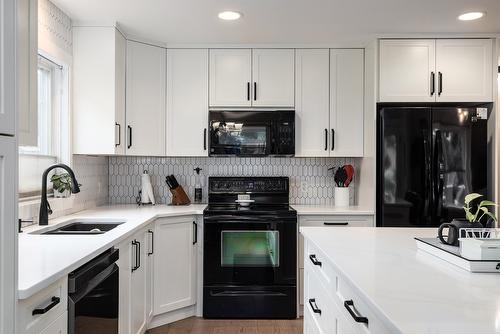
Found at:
<point>93,296</point>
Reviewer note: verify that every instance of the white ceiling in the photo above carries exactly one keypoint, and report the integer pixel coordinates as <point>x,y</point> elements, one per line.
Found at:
<point>283,21</point>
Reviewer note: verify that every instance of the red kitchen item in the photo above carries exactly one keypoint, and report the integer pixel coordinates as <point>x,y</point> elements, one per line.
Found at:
<point>350,174</point>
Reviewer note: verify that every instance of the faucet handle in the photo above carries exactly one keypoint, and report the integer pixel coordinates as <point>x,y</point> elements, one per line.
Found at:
<point>49,209</point>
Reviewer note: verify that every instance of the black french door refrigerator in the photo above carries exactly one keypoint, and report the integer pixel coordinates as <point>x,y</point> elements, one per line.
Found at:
<point>428,159</point>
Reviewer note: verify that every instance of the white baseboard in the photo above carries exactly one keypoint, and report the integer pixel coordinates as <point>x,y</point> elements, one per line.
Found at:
<point>173,316</point>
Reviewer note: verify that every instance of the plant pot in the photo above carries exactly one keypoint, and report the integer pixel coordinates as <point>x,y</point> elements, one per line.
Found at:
<point>64,194</point>
<point>341,196</point>
<point>454,230</point>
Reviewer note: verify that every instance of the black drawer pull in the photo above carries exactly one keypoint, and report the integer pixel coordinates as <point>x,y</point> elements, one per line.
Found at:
<point>349,305</point>
<point>336,224</point>
<point>54,301</point>
<point>152,243</point>
<point>314,307</point>
<point>314,260</point>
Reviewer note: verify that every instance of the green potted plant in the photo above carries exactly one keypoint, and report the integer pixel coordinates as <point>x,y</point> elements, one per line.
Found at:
<point>61,183</point>
<point>477,215</point>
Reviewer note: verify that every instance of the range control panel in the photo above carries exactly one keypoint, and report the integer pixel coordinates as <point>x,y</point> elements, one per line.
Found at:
<point>248,184</point>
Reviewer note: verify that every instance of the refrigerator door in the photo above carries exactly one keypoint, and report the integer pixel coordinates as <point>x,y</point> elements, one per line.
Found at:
<point>403,166</point>
<point>459,160</point>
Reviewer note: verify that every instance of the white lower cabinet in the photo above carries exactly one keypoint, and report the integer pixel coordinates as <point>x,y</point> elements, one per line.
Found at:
<point>150,251</point>
<point>44,312</point>
<point>332,221</point>
<point>133,284</point>
<point>59,326</point>
<point>175,263</point>
<point>331,304</point>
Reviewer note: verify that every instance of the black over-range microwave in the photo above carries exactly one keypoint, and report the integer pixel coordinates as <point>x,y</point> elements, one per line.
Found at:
<point>252,132</point>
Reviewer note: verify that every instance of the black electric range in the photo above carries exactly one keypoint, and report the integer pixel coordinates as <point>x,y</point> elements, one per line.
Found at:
<point>250,249</point>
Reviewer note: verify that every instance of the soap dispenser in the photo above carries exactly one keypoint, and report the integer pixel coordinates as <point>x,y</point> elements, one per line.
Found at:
<point>198,190</point>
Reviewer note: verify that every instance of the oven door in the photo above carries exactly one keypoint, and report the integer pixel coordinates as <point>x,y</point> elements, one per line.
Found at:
<point>250,251</point>
<point>240,133</point>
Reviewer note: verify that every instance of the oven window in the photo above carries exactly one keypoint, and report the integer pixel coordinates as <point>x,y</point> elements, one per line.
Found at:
<point>250,249</point>
<point>240,138</point>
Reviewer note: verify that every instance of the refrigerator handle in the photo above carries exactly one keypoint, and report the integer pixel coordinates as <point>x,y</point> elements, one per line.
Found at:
<point>438,175</point>
<point>428,175</point>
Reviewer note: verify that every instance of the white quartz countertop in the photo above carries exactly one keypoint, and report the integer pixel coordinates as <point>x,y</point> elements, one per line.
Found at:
<point>43,259</point>
<point>414,292</point>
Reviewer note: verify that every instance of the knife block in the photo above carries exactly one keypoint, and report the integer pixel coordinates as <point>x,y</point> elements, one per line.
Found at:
<point>179,196</point>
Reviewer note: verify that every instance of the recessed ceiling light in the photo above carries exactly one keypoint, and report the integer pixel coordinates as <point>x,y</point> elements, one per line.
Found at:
<point>229,15</point>
<point>471,16</point>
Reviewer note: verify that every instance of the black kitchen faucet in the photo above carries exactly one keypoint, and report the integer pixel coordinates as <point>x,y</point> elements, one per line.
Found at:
<point>45,209</point>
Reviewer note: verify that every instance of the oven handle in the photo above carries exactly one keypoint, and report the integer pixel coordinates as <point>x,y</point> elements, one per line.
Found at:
<point>260,219</point>
<point>95,281</point>
<point>246,293</point>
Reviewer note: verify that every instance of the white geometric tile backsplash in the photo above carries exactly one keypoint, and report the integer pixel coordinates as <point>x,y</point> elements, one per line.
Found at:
<point>310,181</point>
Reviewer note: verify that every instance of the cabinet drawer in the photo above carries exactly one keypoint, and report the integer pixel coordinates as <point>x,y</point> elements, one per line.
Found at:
<point>50,303</point>
<point>359,308</point>
<point>59,326</point>
<point>318,264</point>
<point>318,304</point>
<point>333,222</point>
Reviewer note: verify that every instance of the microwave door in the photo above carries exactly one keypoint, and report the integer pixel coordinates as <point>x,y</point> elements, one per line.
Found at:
<point>239,138</point>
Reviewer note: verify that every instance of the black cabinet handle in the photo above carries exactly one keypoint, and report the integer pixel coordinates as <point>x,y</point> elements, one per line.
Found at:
<point>138,254</point>
<point>119,134</point>
<point>195,232</point>
<point>129,136</point>
<point>326,139</point>
<point>248,91</point>
<point>314,307</point>
<point>205,139</point>
<point>440,83</point>
<point>314,260</point>
<point>433,79</point>
<point>152,242</point>
<point>349,305</point>
<point>255,91</point>
<point>335,224</point>
<point>333,139</point>
<point>53,302</point>
<point>134,245</point>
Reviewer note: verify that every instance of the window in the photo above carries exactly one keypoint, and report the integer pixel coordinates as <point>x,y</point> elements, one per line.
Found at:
<point>52,144</point>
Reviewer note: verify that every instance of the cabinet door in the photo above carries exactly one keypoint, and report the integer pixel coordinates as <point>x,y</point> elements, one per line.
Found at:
<point>138,285</point>
<point>187,102</point>
<point>59,326</point>
<point>8,239</point>
<point>145,99</point>
<point>273,77</point>
<point>312,91</point>
<point>7,67</point>
<point>120,88</point>
<point>405,73</point>
<point>465,70</point>
<point>346,102</point>
<point>150,251</point>
<point>175,264</point>
<point>230,77</point>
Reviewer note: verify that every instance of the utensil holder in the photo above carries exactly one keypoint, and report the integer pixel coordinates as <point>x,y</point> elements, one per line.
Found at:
<point>179,196</point>
<point>341,196</point>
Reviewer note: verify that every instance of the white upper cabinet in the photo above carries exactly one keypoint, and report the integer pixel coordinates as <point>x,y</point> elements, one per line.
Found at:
<point>346,102</point>
<point>442,70</point>
<point>8,68</point>
<point>312,111</point>
<point>464,70</point>
<point>145,99</point>
<point>230,77</point>
<point>273,77</point>
<point>407,68</point>
<point>175,263</point>
<point>98,90</point>
<point>187,102</point>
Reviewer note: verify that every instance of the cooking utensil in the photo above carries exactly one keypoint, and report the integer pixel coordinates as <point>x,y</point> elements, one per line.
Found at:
<point>340,177</point>
<point>350,174</point>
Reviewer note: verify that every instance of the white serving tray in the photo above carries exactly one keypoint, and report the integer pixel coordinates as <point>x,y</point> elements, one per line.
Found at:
<point>452,255</point>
